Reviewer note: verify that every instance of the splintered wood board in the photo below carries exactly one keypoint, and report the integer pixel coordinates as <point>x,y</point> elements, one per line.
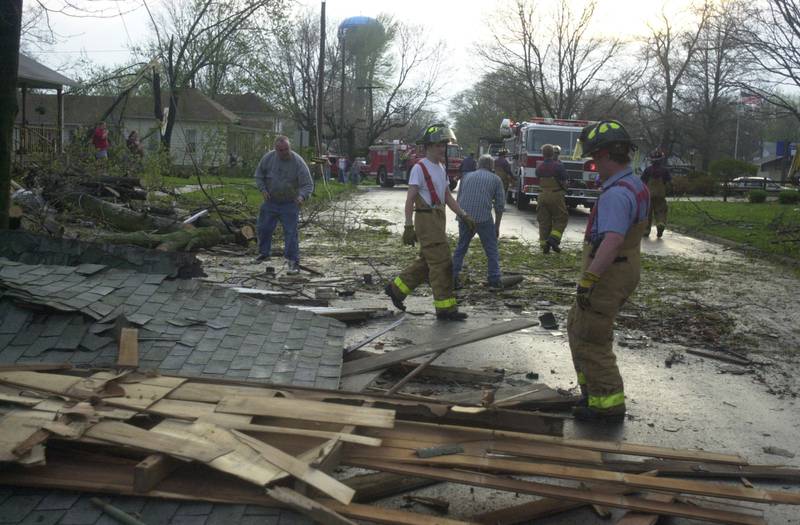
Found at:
<point>308,410</point>
<point>55,383</point>
<point>139,438</point>
<point>213,393</point>
<point>128,355</point>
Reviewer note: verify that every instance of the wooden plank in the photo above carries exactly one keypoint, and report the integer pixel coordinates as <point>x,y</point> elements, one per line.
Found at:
<point>385,360</point>
<point>641,518</point>
<point>35,367</point>
<point>414,373</point>
<point>341,436</point>
<point>193,410</point>
<point>314,477</point>
<point>307,410</point>
<point>149,472</point>
<point>20,432</point>
<point>129,435</point>
<point>318,512</point>
<point>378,485</point>
<point>214,393</point>
<point>414,429</point>
<point>128,356</point>
<point>375,514</point>
<point>242,461</point>
<point>55,383</point>
<point>542,508</point>
<point>693,469</point>
<point>558,492</point>
<point>580,473</point>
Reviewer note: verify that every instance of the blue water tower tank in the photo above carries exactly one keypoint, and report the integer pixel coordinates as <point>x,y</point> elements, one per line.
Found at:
<point>358,22</point>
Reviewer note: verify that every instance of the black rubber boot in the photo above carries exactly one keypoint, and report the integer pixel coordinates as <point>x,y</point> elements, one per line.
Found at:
<point>659,231</point>
<point>554,244</point>
<point>592,415</point>
<point>397,301</point>
<point>451,315</point>
<point>545,248</point>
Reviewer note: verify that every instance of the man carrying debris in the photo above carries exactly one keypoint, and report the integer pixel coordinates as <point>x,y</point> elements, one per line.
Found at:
<point>657,177</point>
<point>610,271</point>
<point>428,192</point>
<point>481,191</point>
<point>285,182</point>
<point>551,211</point>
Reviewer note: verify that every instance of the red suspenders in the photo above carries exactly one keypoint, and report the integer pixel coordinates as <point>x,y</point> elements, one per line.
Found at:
<point>434,196</point>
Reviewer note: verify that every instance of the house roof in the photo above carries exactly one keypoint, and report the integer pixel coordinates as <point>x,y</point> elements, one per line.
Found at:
<point>193,105</point>
<point>35,75</point>
<point>245,103</point>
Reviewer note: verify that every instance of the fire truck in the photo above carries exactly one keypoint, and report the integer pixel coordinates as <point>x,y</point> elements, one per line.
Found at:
<point>524,143</point>
<point>391,163</point>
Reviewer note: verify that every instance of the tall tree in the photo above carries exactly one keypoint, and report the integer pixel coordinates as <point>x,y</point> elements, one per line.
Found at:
<point>558,61</point>
<point>669,51</point>
<point>773,43</point>
<point>191,35</point>
<point>10,27</point>
<point>713,79</point>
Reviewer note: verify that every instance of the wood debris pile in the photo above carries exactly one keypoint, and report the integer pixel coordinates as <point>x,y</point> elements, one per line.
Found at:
<point>232,442</point>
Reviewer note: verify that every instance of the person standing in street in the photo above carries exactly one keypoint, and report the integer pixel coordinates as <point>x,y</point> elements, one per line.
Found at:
<point>426,222</point>
<point>284,180</point>
<point>611,265</point>
<point>467,165</point>
<point>503,169</point>
<point>551,212</point>
<point>658,178</point>
<point>481,191</point>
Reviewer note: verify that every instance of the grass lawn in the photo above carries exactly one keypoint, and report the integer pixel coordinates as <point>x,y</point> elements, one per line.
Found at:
<point>769,227</point>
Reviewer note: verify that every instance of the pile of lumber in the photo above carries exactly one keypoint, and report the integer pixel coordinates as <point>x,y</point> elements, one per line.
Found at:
<point>132,433</point>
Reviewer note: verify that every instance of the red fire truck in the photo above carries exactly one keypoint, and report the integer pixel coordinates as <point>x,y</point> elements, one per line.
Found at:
<point>391,163</point>
<point>524,143</point>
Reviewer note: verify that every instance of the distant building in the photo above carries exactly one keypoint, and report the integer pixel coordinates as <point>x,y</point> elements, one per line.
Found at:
<point>206,131</point>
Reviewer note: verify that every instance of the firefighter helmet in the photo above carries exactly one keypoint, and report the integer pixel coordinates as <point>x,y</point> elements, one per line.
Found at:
<point>606,134</point>
<point>437,133</point>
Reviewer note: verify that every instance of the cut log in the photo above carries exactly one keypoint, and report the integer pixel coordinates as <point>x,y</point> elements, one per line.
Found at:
<point>184,240</point>
<point>118,216</point>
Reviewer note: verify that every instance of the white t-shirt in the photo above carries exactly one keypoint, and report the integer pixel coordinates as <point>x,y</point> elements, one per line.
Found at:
<point>438,176</point>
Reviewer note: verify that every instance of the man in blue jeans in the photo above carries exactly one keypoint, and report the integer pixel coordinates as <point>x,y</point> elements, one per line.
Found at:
<point>285,182</point>
<point>480,192</point>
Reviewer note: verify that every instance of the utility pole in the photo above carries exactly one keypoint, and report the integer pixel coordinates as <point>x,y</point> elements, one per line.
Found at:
<point>10,27</point>
<point>320,78</point>
<point>341,93</point>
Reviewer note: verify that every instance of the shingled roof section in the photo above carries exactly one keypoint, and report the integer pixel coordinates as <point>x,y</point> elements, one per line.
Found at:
<point>185,327</point>
<point>84,110</point>
<point>35,75</point>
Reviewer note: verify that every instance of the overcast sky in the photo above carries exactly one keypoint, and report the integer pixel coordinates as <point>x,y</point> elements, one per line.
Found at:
<point>461,24</point>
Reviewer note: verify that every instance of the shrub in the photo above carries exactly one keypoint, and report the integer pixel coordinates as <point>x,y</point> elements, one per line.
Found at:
<point>728,169</point>
<point>789,197</point>
<point>757,196</point>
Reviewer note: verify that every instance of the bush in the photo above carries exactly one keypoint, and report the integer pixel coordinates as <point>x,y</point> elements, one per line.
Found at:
<point>789,197</point>
<point>757,196</point>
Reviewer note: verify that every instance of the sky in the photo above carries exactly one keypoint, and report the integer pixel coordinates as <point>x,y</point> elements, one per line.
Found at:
<point>463,25</point>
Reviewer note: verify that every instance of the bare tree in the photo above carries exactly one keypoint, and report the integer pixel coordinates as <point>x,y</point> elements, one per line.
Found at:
<point>714,76</point>
<point>773,42</point>
<point>191,34</point>
<point>670,51</point>
<point>557,61</point>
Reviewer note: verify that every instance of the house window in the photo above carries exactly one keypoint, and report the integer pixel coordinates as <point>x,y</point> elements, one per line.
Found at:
<point>191,140</point>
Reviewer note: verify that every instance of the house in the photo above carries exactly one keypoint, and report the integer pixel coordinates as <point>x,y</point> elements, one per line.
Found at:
<point>205,131</point>
<point>46,136</point>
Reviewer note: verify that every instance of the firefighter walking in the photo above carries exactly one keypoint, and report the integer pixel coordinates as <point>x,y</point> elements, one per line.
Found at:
<point>611,264</point>
<point>502,169</point>
<point>551,211</point>
<point>428,193</point>
<point>658,178</point>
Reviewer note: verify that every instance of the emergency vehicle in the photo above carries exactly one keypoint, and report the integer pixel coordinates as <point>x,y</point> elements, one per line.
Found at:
<point>391,163</point>
<point>524,143</point>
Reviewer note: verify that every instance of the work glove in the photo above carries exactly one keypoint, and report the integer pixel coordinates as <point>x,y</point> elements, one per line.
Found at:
<point>469,222</point>
<point>584,290</point>
<point>409,235</point>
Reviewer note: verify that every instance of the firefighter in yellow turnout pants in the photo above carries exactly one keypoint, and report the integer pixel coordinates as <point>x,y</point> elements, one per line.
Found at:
<point>551,213</point>
<point>610,271</point>
<point>428,193</point>
<point>658,178</point>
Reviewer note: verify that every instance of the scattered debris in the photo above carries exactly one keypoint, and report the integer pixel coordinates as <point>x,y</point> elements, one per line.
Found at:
<point>442,450</point>
<point>719,356</point>
<point>439,505</point>
<point>776,451</point>
<point>548,321</point>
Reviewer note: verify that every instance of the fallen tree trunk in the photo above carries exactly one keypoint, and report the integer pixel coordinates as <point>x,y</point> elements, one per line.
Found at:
<point>120,217</point>
<point>180,241</point>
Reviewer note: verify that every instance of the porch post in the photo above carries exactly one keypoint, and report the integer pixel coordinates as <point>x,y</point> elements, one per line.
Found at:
<point>60,121</point>
<point>23,128</point>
